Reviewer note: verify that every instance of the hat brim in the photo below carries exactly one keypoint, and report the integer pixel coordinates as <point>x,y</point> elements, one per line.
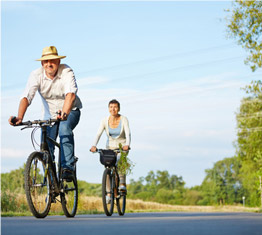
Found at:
<point>51,57</point>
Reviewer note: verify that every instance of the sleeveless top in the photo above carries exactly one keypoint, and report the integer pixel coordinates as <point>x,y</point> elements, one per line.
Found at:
<point>115,132</point>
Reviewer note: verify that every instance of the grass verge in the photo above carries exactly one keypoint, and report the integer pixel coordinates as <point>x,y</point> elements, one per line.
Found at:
<point>93,205</point>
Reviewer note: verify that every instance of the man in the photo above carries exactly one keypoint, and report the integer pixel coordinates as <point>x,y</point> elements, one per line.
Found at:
<point>57,87</point>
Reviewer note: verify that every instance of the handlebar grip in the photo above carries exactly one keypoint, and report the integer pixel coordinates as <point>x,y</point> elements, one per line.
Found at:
<point>13,120</point>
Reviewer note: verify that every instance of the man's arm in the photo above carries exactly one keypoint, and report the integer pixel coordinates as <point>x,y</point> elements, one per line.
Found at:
<point>21,112</point>
<point>69,101</point>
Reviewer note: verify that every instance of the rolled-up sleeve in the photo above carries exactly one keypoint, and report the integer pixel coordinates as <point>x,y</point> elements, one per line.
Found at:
<point>31,87</point>
<point>70,81</point>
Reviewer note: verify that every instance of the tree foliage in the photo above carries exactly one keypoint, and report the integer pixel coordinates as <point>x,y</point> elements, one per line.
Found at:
<point>245,25</point>
<point>160,187</point>
<point>249,139</point>
<point>13,181</point>
<point>222,184</point>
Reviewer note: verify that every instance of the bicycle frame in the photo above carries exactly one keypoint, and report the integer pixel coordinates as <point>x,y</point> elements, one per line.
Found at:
<point>47,156</point>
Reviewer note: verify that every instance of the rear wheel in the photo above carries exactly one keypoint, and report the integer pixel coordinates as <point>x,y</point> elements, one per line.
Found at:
<point>37,185</point>
<point>107,192</point>
<point>69,197</point>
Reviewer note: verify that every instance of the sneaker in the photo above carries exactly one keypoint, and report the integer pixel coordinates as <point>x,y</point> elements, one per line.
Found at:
<point>108,199</point>
<point>52,199</point>
<point>67,175</point>
<point>122,188</point>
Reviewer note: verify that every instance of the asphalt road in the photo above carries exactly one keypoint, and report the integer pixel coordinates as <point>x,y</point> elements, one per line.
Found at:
<point>137,223</point>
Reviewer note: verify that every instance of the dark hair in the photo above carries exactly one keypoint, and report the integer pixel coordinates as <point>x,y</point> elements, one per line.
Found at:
<point>114,101</point>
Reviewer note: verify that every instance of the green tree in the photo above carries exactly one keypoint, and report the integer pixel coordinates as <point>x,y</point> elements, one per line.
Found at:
<point>13,181</point>
<point>159,186</point>
<point>249,140</point>
<point>245,25</point>
<point>222,184</point>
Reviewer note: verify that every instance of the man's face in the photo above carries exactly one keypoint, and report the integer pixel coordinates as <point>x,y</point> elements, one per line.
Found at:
<point>51,67</point>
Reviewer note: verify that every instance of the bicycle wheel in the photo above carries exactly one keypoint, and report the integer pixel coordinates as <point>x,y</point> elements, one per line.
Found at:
<point>107,192</point>
<point>121,204</point>
<point>69,197</point>
<point>37,185</point>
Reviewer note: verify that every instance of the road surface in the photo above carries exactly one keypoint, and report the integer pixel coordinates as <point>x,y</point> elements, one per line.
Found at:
<point>138,223</point>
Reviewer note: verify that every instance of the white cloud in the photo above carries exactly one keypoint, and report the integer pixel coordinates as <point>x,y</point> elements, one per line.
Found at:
<point>91,80</point>
<point>7,153</point>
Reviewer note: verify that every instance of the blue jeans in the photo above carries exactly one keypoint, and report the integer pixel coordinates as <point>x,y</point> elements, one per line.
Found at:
<point>66,136</point>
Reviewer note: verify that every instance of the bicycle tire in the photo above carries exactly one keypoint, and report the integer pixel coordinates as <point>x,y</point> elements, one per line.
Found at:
<point>37,187</point>
<point>69,197</point>
<point>121,204</point>
<point>108,204</point>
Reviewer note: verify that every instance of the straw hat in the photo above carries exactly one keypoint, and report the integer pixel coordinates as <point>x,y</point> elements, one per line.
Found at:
<point>50,53</point>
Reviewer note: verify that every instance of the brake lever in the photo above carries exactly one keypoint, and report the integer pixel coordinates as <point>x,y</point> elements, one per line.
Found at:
<point>26,127</point>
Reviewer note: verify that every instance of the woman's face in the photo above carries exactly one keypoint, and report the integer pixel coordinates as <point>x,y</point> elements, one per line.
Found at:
<point>113,109</point>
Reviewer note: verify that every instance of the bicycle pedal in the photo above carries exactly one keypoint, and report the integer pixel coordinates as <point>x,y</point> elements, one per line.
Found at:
<point>53,200</point>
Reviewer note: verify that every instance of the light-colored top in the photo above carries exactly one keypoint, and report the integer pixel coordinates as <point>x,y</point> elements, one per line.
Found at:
<point>115,132</point>
<point>52,92</point>
<point>113,143</point>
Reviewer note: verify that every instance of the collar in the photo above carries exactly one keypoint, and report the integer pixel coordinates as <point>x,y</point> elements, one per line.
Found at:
<point>56,77</point>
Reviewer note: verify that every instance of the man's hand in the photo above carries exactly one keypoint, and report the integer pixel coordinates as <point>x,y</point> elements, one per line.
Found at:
<point>61,115</point>
<point>13,121</point>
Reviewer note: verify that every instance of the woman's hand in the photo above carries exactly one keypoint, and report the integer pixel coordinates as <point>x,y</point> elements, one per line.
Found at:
<point>93,149</point>
<point>126,147</point>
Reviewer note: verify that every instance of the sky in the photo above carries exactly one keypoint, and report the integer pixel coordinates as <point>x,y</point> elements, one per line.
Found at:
<point>171,65</point>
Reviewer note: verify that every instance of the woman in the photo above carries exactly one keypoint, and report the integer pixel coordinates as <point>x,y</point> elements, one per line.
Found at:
<point>117,129</point>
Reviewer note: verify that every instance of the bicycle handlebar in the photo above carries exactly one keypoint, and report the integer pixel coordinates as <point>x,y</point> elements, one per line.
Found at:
<point>36,122</point>
<point>115,150</point>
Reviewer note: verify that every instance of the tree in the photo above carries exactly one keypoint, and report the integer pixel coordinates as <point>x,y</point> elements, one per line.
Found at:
<point>245,25</point>
<point>13,181</point>
<point>249,141</point>
<point>159,186</point>
<point>222,184</point>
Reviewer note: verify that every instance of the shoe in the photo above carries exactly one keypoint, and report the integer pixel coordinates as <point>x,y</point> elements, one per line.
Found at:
<point>108,199</point>
<point>52,199</point>
<point>67,175</point>
<point>122,188</point>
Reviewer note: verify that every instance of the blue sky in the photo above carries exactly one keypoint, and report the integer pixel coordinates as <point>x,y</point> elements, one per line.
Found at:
<point>170,64</point>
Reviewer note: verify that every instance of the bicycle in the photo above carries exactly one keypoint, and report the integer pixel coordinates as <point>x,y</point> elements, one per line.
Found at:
<point>110,183</point>
<point>43,181</point>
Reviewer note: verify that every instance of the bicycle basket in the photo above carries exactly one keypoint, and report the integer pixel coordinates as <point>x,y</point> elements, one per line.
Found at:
<point>108,157</point>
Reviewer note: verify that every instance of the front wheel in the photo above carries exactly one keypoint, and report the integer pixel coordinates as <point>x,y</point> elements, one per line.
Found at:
<point>69,197</point>
<point>107,192</point>
<point>37,185</point>
<point>121,204</point>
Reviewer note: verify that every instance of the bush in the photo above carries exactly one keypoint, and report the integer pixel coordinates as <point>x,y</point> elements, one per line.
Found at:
<point>164,196</point>
<point>8,202</point>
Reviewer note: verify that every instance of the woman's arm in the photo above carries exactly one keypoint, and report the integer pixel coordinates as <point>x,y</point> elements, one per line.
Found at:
<point>127,134</point>
<point>99,132</point>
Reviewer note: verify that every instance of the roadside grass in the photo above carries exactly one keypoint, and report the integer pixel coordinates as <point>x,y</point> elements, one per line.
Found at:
<point>93,205</point>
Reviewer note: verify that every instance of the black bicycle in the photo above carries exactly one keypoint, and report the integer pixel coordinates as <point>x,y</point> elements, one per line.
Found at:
<point>110,183</point>
<point>43,179</point>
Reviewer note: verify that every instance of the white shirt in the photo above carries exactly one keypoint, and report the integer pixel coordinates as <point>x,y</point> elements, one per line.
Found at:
<point>52,92</point>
